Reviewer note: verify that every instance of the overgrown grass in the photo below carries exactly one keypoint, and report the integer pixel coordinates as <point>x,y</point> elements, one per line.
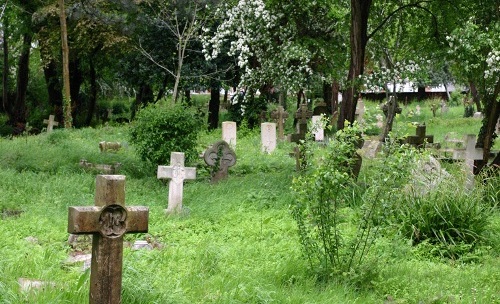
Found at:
<point>237,243</point>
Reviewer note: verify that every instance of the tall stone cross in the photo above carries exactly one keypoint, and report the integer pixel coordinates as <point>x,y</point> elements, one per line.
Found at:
<point>107,221</point>
<point>280,115</point>
<point>177,173</point>
<point>50,123</point>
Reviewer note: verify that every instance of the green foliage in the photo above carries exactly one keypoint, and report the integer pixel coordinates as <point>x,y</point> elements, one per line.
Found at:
<point>247,109</point>
<point>160,130</point>
<point>322,196</point>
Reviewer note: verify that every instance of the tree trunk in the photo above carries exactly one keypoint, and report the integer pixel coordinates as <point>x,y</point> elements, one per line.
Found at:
<point>76,81</point>
<point>93,93</point>
<point>213,106</point>
<point>68,119</point>
<point>5,77</point>
<point>328,94</point>
<point>19,113</point>
<point>360,10</point>
<point>143,96</point>
<point>475,96</point>
<point>53,88</point>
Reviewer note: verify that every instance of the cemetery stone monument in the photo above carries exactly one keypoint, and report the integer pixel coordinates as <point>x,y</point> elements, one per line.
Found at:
<point>472,154</point>
<point>302,115</point>
<point>268,136</point>
<point>229,133</point>
<point>177,173</point>
<point>444,107</point>
<point>102,168</point>
<point>420,139</point>
<point>50,123</point>
<point>390,109</point>
<point>105,146</point>
<point>280,115</point>
<point>220,157</point>
<point>320,108</point>
<point>360,110</point>
<point>417,110</point>
<point>107,221</point>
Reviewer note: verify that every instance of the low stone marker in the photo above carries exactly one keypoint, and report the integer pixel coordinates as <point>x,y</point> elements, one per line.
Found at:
<point>478,115</point>
<point>280,115</point>
<point>268,136</point>
<point>105,146</point>
<point>50,123</point>
<point>229,133</point>
<point>220,157</point>
<point>444,107</point>
<point>107,221</point>
<point>417,110</point>
<point>101,168</point>
<point>471,155</point>
<point>177,173</point>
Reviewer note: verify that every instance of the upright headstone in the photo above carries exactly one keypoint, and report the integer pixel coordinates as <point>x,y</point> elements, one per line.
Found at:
<point>229,133</point>
<point>318,131</point>
<point>360,110</point>
<point>444,107</point>
<point>107,221</point>
<point>268,136</point>
<point>280,116</point>
<point>472,154</point>
<point>390,110</point>
<point>177,173</point>
<point>219,157</point>
<point>420,138</point>
<point>50,123</point>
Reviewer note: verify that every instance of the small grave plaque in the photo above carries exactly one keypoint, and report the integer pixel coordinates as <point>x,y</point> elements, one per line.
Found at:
<point>107,221</point>
<point>50,123</point>
<point>177,173</point>
<point>220,157</point>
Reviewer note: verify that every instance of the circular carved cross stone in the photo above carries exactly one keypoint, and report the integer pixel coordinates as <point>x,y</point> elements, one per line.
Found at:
<point>112,221</point>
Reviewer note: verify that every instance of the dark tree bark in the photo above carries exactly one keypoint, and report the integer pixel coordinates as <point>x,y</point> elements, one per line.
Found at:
<point>161,91</point>
<point>187,95</point>
<point>421,93</point>
<point>300,96</point>
<point>475,96</point>
<point>213,105</point>
<point>328,95</point>
<point>5,77</point>
<point>54,88</point>
<point>76,81</point>
<point>360,10</point>
<point>93,93</point>
<point>19,111</point>
<point>143,96</point>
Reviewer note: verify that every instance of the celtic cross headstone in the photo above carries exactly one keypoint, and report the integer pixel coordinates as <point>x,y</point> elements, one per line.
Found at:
<point>220,157</point>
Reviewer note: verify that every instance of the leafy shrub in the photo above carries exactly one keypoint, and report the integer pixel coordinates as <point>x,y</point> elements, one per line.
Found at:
<point>248,109</point>
<point>160,130</point>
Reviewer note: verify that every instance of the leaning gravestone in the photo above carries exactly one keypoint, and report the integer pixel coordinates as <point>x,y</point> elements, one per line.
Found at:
<point>107,221</point>
<point>177,173</point>
<point>50,123</point>
<point>268,136</point>
<point>219,157</point>
<point>229,133</point>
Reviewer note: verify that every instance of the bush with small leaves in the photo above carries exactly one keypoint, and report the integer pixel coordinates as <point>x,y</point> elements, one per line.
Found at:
<point>160,130</point>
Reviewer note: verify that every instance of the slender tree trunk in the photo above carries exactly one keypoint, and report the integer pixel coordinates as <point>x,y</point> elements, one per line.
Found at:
<point>161,91</point>
<point>19,115</point>
<point>53,88</point>
<point>213,105</point>
<point>360,10</point>
<point>68,119</point>
<point>5,77</point>
<point>475,96</point>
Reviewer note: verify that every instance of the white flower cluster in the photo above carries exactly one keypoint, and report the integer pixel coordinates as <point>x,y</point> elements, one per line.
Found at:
<point>402,72</point>
<point>264,47</point>
<point>493,63</point>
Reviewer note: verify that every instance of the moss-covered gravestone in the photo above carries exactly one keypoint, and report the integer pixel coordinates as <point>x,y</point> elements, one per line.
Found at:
<point>219,157</point>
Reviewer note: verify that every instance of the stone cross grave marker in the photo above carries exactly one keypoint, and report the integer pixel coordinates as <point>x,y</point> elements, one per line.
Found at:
<point>280,115</point>
<point>390,110</point>
<point>302,115</point>
<point>268,136</point>
<point>220,157</point>
<point>471,155</point>
<point>420,138</point>
<point>107,221</point>
<point>229,133</point>
<point>319,132</point>
<point>50,123</point>
<point>177,173</point>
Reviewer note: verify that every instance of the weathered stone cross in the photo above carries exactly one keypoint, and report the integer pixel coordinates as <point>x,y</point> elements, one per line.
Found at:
<point>302,114</point>
<point>177,173</point>
<point>420,138</point>
<point>220,157</point>
<point>107,221</point>
<point>280,115</point>
<point>50,123</point>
